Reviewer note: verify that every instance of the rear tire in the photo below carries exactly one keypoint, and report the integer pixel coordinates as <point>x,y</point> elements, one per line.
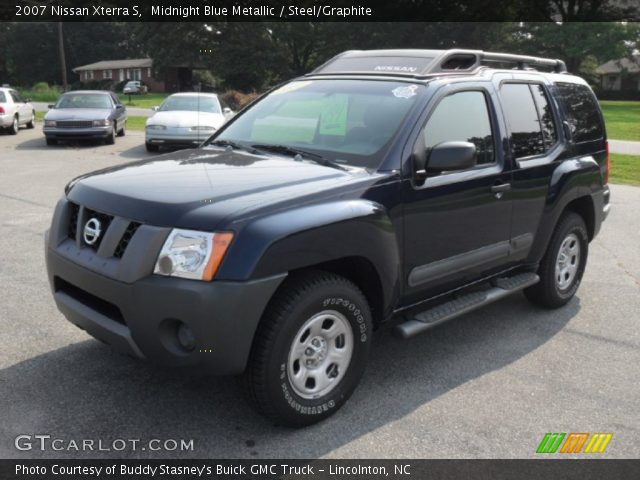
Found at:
<point>151,147</point>
<point>32,122</point>
<point>15,126</point>
<point>310,349</point>
<point>563,264</point>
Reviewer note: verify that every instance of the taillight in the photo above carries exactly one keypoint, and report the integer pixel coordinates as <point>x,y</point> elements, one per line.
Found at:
<point>607,167</point>
<point>1,111</point>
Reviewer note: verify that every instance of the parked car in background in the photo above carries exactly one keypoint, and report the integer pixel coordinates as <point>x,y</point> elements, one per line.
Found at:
<point>84,115</point>
<point>185,119</point>
<point>134,87</point>
<point>15,111</point>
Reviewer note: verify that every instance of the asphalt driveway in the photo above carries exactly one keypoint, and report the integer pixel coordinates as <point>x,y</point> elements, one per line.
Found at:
<point>489,384</point>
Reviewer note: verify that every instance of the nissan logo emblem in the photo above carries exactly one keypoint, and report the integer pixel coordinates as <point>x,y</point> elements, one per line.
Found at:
<point>91,231</point>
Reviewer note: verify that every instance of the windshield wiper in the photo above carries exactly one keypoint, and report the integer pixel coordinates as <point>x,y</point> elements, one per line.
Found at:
<point>230,143</point>
<point>286,150</point>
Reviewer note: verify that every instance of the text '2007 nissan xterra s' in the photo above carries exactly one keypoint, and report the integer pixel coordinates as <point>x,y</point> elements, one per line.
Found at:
<point>413,185</point>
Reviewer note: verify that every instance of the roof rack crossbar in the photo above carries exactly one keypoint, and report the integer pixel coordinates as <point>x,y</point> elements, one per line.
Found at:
<point>444,61</point>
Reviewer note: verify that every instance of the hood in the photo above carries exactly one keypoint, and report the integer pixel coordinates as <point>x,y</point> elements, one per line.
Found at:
<point>186,119</point>
<point>77,114</point>
<point>199,188</point>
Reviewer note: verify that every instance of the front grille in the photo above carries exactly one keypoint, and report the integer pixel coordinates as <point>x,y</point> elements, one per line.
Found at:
<point>74,124</point>
<point>126,238</point>
<point>72,230</point>
<point>101,306</point>
<point>105,221</point>
<point>84,214</point>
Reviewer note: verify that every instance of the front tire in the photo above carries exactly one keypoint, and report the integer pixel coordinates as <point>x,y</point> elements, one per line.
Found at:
<point>563,264</point>
<point>151,147</point>
<point>310,350</point>
<point>123,130</point>
<point>111,139</point>
<point>52,141</point>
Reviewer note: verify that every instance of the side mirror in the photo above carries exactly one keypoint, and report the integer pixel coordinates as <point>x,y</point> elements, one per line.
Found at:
<point>447,156</point>
<point>155,109</point>
<point>50,106</point>
<point>27,100</point>
<point>227,111</point>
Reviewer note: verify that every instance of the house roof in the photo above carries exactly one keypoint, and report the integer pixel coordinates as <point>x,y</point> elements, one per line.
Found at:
<point>631,65</point>
<point>115,64</point>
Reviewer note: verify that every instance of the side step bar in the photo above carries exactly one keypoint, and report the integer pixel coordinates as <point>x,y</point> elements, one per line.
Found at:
<point>501,287</point>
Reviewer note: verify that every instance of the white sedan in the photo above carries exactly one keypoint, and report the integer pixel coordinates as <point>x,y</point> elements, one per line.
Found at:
<point>14,111</point>
<point>185,119</point>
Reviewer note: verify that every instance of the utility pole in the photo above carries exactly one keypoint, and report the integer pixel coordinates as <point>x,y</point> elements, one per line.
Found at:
<point>63,62</point>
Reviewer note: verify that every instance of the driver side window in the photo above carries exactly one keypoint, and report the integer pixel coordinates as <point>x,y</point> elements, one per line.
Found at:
<point>462,116</point>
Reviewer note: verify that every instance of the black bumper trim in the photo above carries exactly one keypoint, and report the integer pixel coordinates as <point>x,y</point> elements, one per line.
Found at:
<point>223,316</point>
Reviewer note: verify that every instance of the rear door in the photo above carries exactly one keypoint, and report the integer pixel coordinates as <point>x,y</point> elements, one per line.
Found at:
<point>458,224</point>
<point>535,148</point>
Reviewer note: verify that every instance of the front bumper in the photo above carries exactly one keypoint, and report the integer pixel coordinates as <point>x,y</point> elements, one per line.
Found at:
<point>177,136</point>
<point>121,302</point>
<point>55,133</point>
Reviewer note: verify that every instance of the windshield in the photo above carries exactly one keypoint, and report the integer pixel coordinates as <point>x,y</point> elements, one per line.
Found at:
<point>84,100</point>
<point>345,121</point>
<point>191,103</point>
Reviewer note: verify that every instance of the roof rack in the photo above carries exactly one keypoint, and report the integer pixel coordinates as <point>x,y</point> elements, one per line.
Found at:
<point>423,63</point>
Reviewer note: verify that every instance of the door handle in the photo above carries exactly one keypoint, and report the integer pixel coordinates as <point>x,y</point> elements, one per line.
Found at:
<point>499,189</point>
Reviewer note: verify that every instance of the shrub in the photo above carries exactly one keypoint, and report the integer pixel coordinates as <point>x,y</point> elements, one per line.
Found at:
<point>236,99</point>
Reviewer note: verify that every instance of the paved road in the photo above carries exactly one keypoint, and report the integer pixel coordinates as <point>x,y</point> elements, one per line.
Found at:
<point>133,111</point>
<point>490,384</point>
<point>625,147</point>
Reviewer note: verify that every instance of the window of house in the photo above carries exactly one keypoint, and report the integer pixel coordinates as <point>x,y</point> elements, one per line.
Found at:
<point>149,72</point>
<point>121,74</point>
<point>107,74</point>
<point>521,114</point>
<point>136,74</point>
<point>462,116</point>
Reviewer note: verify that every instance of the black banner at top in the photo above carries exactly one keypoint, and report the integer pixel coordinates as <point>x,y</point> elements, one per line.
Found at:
<point>318,10</point>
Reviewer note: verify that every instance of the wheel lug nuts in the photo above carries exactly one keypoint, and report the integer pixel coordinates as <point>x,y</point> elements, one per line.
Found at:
<point>308,352</point>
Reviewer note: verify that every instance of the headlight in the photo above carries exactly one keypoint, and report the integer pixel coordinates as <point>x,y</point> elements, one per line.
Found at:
<point>192,254</point>
<point>49,123</point>
<point>156,127</point>
<point>202,128</point>
<point>101,123</point>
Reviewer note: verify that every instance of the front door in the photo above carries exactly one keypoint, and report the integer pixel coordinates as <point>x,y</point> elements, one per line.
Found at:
<point>457,224</point>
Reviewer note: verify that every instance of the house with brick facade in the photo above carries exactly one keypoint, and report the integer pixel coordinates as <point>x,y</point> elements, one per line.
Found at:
<point>117,71</point>
<point>620,75</point>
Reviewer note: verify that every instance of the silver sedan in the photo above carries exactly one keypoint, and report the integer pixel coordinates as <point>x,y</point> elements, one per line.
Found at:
<point>185,120</point>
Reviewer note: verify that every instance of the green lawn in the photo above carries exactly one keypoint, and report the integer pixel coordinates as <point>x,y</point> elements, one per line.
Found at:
<point>625,169</point>
<point>135,123</point>
<point>143,101</point>
<point>622,119</point>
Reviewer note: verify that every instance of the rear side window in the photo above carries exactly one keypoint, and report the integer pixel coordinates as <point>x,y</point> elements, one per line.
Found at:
<point>545,114</point>
<point>462,116</point>
<point>583,113</point>
<point>3,99</point>
<point>522,115</point>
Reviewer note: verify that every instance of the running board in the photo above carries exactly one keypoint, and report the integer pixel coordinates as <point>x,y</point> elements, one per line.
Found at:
<point>501,287</point>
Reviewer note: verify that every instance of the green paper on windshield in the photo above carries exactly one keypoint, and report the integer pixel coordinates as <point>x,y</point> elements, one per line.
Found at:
<point>333,116</point>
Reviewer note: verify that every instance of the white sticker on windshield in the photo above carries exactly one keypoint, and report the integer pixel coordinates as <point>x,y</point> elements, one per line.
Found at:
<point>405,92</point>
